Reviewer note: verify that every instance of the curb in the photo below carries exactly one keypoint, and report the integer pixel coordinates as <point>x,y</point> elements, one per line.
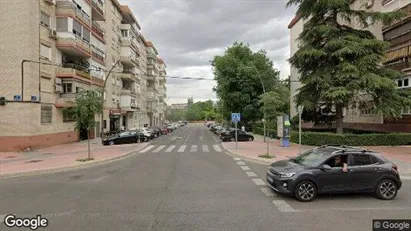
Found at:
<point>81,165</point>
<point>251,159</point>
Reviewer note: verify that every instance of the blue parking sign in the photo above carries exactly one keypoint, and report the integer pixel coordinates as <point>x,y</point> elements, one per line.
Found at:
<point>235,117</point>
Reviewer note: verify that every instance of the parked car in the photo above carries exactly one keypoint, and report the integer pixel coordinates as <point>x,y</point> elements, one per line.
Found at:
<point>143,130</point>
<point>229,135</point>
<point>215,127</point>
<point>164,130</point>
<point>314,172</point>
<point>125,137</point>
<point>170,128</point>
<point>154,131</point>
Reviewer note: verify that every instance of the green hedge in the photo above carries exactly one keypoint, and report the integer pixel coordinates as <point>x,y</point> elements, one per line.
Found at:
<point>260,131</point>
<point>323,138</point>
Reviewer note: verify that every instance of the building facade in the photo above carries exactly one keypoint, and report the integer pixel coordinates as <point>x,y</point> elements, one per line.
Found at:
<point>67,45</point>
<point>358,116</point>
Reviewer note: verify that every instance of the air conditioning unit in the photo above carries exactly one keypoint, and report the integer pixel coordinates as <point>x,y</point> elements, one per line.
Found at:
<point>52,33</point>
<point>34,98</point>
<point>58,81</point>
<point>58,88</point>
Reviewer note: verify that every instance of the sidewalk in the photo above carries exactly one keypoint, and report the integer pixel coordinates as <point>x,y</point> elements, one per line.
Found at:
<point>400,155</point>
<point>61,157</point>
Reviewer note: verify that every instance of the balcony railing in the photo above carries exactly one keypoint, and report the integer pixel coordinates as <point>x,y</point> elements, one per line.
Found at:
<point>98,30</point>
<point>70,5</point>
<point>98,6</point>
<point>82,42</point>
<point>97,53</point>
<point>73,70</point>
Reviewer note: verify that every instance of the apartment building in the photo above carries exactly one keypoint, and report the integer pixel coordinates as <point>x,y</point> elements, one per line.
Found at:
<point>67,45</point>
<point>358,116</point>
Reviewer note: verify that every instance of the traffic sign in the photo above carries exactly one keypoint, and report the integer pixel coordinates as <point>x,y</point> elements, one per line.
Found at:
<point>235,117</point>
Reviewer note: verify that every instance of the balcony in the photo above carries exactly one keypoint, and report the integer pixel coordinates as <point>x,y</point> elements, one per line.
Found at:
<point>68,8</point>
<point>126,103</point>
<point>152,56</point>
<point>98,55</point>
<point>98,31</point>
<point>129,60</point>
<point>98,10</point>
<point>152,67</point>
<point>73,45</point>
<point>407,10</point>
<point>69,72</point>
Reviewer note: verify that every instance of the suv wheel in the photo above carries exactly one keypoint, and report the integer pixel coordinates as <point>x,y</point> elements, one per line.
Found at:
<point>305,191</point>
<point>386,190</point>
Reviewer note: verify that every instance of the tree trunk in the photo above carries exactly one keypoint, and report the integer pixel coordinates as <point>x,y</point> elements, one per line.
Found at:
<point>339,119</point>
<point>88,143</point>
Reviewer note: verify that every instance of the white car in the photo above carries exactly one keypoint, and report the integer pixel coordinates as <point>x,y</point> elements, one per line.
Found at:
<point>145,131</point>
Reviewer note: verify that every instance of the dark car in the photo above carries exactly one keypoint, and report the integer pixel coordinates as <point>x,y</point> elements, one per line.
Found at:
<point>314,172</point>
<point>155,132</point>
<point>125,137</point>
<point>229,135</point>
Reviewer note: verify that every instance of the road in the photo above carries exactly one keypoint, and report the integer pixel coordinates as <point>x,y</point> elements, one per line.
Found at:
<point>184,181</point>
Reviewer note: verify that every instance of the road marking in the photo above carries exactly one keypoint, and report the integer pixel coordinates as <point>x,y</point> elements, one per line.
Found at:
<point>188,137</point>
<point>2,216</point>
<point>245,168</point>
<point>159,148</point>
<point>405,177</point>
<point>268,192</point>
<point>353,209</point>
<point>147,149</point>
<point>217,148</point>
<point>258,181</point>
<point>283,206</point>
<point>101,178</point>
<point>205,148</point>
<point>201,138</point>
<point>182,148</point>
<point>240,163</point>
<point>251,174</point>
<point>169,149</point>
<point>193,148</point>
<point>236,158</point>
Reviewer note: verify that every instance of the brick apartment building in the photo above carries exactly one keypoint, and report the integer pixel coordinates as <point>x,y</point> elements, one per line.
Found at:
<point>70,45</point>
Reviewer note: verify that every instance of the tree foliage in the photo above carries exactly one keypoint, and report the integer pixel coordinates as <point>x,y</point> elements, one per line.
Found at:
<point>276,102</point>
<point>340,64</point>
<point>238,73</point>
<point>206,110</point>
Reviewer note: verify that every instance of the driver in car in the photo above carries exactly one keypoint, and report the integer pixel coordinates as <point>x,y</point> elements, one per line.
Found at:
<point>338,163</point>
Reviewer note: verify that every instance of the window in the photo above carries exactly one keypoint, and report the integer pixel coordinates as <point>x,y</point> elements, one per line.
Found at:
<point>399,83</point>
<point>312,158</point>
<point>114,100</point>
<point>86,35</point>
<point>67,117</point>
<point>46,114</point>
<point>406,82</point>
<point>406,111</point>
<point>45,52</point>
<point>45,20</point>
<point>78,89</point>
<point>124,33</point>
<point>76,28</point>
<point>67,87</point>
<point>361,159</point>
<point>62,24</point>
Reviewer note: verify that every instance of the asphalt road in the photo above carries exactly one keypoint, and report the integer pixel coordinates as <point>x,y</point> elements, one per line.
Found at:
<point>184,181</point>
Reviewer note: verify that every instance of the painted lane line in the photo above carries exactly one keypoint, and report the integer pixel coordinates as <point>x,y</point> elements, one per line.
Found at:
<point>251,174</point>
<point>217,148</point>
<point>101,178</point>
<point>283,206</point>
<point>159,148</point>
<point>147,149</point>
<point>169,149</point>
<point>258,181</point>
<point>188,137</point>
<point>354,209</point>
<point>236,158</point>
<point>240,163</point>
<point>193,148</point>
<point>268,192</point>
<point>205,148</point>
<point>245,168</point>
<point>182,148</point>
<point>2,216</point>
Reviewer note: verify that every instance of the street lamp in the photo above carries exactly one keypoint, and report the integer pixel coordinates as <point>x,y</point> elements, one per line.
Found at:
<point>300,111</point>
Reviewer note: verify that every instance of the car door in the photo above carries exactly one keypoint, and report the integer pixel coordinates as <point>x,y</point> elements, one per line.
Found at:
<point>242,136</point>
<point>364,171</point>
<point>123,137</point>
<point>335,179</point>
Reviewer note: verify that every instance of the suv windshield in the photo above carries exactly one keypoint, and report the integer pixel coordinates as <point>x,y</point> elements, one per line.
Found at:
<point>311,158</point>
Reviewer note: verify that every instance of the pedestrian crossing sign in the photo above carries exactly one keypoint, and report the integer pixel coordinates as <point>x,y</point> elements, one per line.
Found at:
<point>235,117</point>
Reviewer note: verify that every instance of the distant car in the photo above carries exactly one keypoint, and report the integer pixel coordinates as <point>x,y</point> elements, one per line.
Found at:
<point>125,137</point>
<point>229,135</point>
<point>154,131</point>
<point>164,130</point>
<point>314,172</point>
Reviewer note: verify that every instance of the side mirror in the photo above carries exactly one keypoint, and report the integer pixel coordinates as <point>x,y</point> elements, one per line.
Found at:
<point>326,167</point>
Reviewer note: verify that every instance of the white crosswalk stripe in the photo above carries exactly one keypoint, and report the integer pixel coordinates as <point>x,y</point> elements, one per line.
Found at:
<point>147,149</point>
<point>182,148</point>
<point>193,148</point>
<point>205,148</point>
<point>169,149</point>
<point>159,148</point>
<point>217,148</point>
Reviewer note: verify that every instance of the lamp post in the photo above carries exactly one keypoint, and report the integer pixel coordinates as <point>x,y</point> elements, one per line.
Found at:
<point>103,101</point>
<point>300,111</point>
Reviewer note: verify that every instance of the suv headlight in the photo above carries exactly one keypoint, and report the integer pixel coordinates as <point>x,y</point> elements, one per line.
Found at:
<point>286,175</point>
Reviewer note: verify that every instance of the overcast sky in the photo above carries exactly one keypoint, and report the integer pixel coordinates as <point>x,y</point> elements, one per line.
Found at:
<point>189,33</point>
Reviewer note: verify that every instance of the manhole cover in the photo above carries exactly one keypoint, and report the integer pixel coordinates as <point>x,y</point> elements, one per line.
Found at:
<point>47,154</point>
<point>9,157</point>
<point>34,161</point>
<point>76,177</point>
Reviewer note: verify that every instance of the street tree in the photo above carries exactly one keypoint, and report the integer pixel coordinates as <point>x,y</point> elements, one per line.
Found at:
<point>276,102</point>
<point>339,64</point>
<point>86,106</point>
<point>240,74</point>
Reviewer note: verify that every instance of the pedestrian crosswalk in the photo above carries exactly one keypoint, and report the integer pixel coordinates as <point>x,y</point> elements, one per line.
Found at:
<point>181,148</point>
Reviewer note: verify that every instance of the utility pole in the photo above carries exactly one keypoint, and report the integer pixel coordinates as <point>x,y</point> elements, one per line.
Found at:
<point>103,101</point>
